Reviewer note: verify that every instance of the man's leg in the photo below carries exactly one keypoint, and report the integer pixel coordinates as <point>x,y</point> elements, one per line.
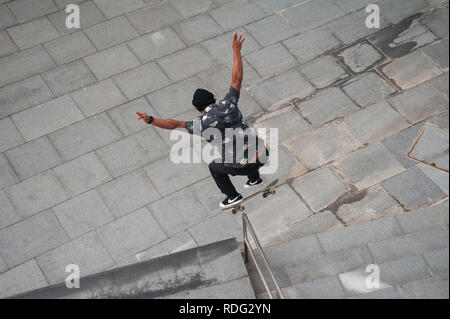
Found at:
<point>220,174</point>
<point>252,172</point>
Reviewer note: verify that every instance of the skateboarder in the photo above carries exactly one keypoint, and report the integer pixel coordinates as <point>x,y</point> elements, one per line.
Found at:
<point>242,154</point>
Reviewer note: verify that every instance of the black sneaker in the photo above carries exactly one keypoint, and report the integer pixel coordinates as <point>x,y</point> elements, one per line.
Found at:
<point>251,184</point>
<point>229,202</point>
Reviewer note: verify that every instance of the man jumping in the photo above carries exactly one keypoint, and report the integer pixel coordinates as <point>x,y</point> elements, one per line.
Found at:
<point>242,154</point>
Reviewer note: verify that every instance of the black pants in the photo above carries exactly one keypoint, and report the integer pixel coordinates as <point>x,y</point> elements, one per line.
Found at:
<point>221,173</point>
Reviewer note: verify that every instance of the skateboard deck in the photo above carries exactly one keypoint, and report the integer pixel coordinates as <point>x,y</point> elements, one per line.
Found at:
<point>268,190</point>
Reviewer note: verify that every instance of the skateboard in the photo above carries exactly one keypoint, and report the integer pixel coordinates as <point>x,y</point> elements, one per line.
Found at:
<point>268,190</point>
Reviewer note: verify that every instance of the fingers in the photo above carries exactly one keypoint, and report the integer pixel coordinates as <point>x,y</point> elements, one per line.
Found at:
<point>234,36</point>
<point>141,116</point>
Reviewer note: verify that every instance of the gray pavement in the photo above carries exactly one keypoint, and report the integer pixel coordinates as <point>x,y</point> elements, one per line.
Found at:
<point>82,181</point>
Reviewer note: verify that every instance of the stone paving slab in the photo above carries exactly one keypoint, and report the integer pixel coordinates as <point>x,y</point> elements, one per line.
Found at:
<point>270,225</point>
<point>7,213</point>
<point>376,203</point>
<point>271,60</point>
<point>323,72</point>
<point>76,140</point>
<point>411,70</point>
<point>124,116</point>
<point>87,252</point>
<point>169,178</point>
<point>6,17</point>
<point>432,143</point>
<point>23,64</point>
<point>396,11</point>
<point>360,57</point>
<point>25,277</point>
<point>324,288</point>
<point>16,246</point>
<point>439,177</point>
<point>410,244</point>
<point>413,189</point>
<point>438,52</point>
<point>131,234</point>
<point>312,14</point>
<point>419,103</point>
<point>154,17</point>
<point>98,97</point>
<point>33,157</point>
<point>186,63</point>
<point>116,7</point>
<point>156,45</point>
<point>7,46</point>
<point>36,194</point>
<point>428,288</point>
<point>23,95</point>
<point>27,10</point>
<point>111,61</point>
<point>376,122</point>
<point>359,235</point>
<point>68,78</point>
<point>70,48</point>
<point>424,218</point>
<point>369,166</point>
<point>270,30</point>
<point>221,227</point>
<point>7,175</point>
<point>82,174</point>
<point>197,29</point>
<point>33,33</point>
<point>141,80</point>
<point>311,44</point>
<point>82,214</point>
<point>9,135</point>
<point>330,264</point>
<point>133,152</point>
<point>128,193</point>
<point>368,89</point>
<point>47,118</point>
<point>326,106</point>
<point>323,181</point>
<point>437,22</point>
<point>438,260</point>
<point>315,149</point>
<point>111,33</point>
<point>281,88</point>
<point>236,13</point>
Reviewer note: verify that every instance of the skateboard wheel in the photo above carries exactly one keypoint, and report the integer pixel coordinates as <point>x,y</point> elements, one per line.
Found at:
<point>273,192</point>
<point>234,211</point>
<point>242,208</point>
<point>264,195</point>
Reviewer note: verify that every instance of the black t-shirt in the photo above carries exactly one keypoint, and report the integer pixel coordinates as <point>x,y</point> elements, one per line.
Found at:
<point>223,126</point>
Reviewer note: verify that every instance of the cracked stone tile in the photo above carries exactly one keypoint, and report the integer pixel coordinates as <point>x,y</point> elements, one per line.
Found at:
<point>432,144</point>
<point>368,205</point>
<point>402,38</point>
<point>360,57</point>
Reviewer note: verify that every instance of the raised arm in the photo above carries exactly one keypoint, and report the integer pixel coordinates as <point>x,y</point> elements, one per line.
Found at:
<point>238,69</point>
<point>167,124</point>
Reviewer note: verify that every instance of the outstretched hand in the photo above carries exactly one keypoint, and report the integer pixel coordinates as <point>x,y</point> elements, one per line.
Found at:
<point>238,41</point>
<point>143,116</point>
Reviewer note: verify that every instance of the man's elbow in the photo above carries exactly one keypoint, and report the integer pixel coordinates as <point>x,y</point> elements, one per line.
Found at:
<point>237,83</point>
